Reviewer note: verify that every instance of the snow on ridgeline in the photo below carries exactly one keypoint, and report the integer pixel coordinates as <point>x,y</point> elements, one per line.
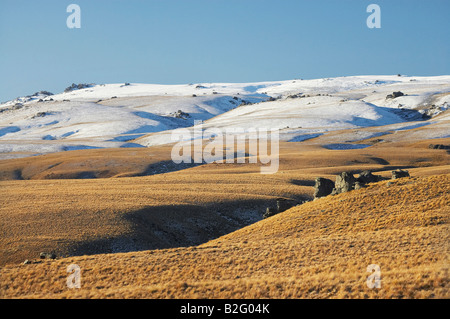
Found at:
<point>123,115</point>
<point>92,92</point>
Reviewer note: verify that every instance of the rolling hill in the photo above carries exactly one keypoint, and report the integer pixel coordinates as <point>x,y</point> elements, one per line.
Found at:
<point>320,249</point>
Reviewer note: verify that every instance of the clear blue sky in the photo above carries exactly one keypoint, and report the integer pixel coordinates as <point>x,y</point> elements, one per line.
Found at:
<point>190,41</point>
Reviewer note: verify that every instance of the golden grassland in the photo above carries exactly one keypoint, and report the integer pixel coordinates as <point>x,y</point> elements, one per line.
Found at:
<point>320,249</point>
<point>99,163</point>
<point>183,208</point>
<point>317,250</point>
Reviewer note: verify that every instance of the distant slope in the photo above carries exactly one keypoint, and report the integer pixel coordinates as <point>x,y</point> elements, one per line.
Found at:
<point>321,249</point>
<point>64,125</point>
<point>317,107</point>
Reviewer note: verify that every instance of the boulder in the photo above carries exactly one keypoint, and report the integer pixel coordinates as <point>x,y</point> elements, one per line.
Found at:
<point>399,174</point>
<point>42,93</point>
<point>439,146</point>
<point>323,187</point>
<point>181,115</point>
<point>394,95</point>
<point>366,177</point>
<point>45,255</point>
<point>77,86</point>
<point>40,114</point>
<point>358,185</point>
<point>344,182</point>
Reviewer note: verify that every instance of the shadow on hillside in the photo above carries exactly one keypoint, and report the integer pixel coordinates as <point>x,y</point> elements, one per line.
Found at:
<point>165,167</point>
<point>160,227</point>
<point>379,160</point>
<point>303,182</point>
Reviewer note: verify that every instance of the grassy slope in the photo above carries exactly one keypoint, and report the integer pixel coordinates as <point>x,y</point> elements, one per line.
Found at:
<point>87,216</point>
<point>184,208</point>
<point>317,250</point>
<point>95,163</point>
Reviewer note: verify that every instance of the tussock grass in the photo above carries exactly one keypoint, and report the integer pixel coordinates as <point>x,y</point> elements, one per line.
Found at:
<point>317,250</point>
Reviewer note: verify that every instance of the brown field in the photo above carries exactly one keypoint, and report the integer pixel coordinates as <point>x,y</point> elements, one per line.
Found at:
<point>192,233</point>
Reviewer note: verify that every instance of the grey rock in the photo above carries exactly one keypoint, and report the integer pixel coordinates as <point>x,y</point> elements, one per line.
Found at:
<point>42,93</point>
<point>358,185</point>
<point>44,255</point>
<point>344,182</point>
<point>439,146</point>
<point>366,177</point>
<point>394,95</point>
<point>181,115</point>
<point>323,187</point>
<point>399,174</point>
<point>78,87</point>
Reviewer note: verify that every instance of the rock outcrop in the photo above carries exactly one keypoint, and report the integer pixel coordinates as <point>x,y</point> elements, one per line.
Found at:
<point>45,255</point>
<point>344,182</point>
<point>439,147</point>
<point>366,177</point>
<point>394,95</point>
<point>399,174</point>
<point>323,187</point>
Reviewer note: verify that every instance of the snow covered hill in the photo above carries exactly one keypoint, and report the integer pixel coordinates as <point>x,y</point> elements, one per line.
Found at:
<point>137,115</point>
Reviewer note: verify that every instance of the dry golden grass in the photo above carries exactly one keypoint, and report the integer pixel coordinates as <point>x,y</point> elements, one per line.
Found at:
<point>85,216</point>
<point>96,163</point>
<point>317,250</point>
<point>301,158</point>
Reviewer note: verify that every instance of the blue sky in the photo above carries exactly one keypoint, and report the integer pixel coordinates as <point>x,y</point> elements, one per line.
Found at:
<point>190,41</point>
